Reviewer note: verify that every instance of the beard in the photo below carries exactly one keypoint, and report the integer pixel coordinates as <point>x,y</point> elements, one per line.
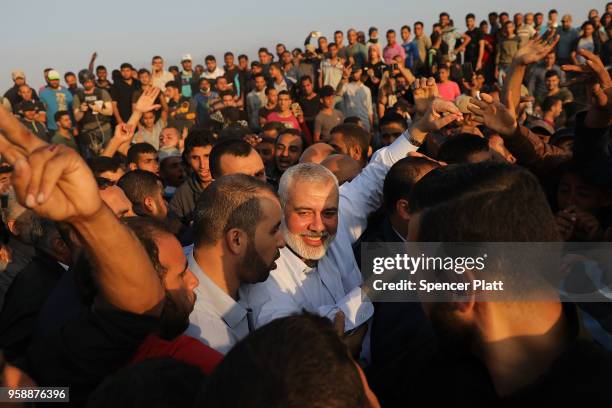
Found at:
<point>308,252</point>
<point>253,267</point>
<point>174,318</point>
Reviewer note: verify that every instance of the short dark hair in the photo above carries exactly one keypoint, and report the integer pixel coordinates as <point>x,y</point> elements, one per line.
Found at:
<point>58,115</point>
<point>147,230</point>
<point>242,56</point>
<point>552,11</point>
<point>283,92</point>
<point>406,27</point>
<point>338,32</point>
<point>230,202</point>
<point>258,75</point>
<point>126,65</point>
<point>470,15</point>
<point>156,57</point>
<point>232,147</point>
<point>419,23</point>
<point>268,89</point>
<point>143,71</point>
<point>488,202</point>
<point>154,382</point>
<point>459,148</point>
<point>198,138</point>
<point>99,67</point>
<point>354,135</point>
<point>69,73</point>
<point>138,185</point>
<point>137,149</point>
<point>390,31</point>
<point>309,366</point>
<point>400,179</point>
<point>393,117</point>
<point>327,90</point>
<point>305,78</point>
<point>443,14</point>
<point>210,58</point>
<point>228,54</point>
<point>549,102</point>
<point>102,164</point>
<point>173,84</point>
<point>551,73</point>
<point>493,14</point>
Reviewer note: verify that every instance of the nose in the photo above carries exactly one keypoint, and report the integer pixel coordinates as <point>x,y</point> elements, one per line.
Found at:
<point>280,240</point>
<point>285,153</point>
<point>317,224</point>
<point>192,280</point>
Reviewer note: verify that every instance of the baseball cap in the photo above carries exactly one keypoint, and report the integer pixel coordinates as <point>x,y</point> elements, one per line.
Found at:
<point>53,74</point>
<point>17,74</point>
<point>186,57</point>
<point>28,106</point>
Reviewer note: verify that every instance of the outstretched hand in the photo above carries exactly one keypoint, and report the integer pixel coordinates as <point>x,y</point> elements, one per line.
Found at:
<point>52,180</point>
<point>439,114</point>
<point>424,91</point>
<point>493,115</point>
<point>146,102</point>
<point>536,49</point>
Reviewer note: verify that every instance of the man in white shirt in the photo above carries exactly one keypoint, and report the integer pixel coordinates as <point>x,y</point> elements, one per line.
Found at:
<point>212,71</point>
<point>356,97</point>
<point>237,241</point>
<point>317,271</point>
<point>256,99</point>
<point>159,77</point>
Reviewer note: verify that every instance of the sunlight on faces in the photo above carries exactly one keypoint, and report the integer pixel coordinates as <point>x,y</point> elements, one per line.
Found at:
<point>179,283</point>
<point>198,160</point>
<point>251,165</point>
<point>288,151</point>
<point>263,248</point>
<point>169,137</point>
<point>148,162</point>
<point>310,218</point>
<point>117,201</point>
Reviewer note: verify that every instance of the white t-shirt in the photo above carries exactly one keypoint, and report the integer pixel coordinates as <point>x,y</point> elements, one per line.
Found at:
<point>161,80</point>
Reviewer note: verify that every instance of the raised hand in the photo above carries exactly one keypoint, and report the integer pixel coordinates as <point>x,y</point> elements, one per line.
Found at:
<point>535,50</point>
<point>52,180</point>
<point>424,91</point>
<point>146,102</point>
<point>123,133</point>
<point>493,115</point>
<point>439,114</point>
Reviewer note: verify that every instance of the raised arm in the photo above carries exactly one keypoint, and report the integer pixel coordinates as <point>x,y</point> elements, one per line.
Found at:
<point>56,183</point>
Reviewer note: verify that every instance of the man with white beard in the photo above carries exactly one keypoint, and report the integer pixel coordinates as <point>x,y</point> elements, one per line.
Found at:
<point>317,271</point>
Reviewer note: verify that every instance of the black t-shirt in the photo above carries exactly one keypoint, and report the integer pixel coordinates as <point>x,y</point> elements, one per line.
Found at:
<point>310,107</point>
<point>471,50</point>
<point>121,92</point>
<point>82,352</point>
<point>379,70</point>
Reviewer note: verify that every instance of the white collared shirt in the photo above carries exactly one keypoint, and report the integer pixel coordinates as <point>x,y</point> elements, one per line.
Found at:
<point>334,284</point>
<point>217,319</point>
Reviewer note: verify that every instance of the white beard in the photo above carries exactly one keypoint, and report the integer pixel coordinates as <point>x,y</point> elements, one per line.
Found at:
<point>295,242</point>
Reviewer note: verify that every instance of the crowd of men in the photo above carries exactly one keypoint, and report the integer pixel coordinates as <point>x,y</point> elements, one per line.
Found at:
<point>192,236</point>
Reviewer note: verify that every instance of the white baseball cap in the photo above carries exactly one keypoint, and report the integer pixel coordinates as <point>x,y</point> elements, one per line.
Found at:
<point>186,57</point>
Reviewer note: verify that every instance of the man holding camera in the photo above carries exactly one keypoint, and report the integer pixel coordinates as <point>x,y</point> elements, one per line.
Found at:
<point>92,111</point>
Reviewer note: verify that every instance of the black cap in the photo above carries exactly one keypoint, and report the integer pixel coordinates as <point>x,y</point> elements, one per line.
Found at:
<point>27,106</point>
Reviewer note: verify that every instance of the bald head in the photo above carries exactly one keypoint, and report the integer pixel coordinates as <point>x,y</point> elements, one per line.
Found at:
<point>316,153</point>
<point>344,167</point>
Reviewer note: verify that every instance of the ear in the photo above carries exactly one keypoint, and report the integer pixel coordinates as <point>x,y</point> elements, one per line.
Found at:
<point>236,241</point>
<point>465,305</point>
<point>401,209</point>
<point>133,166</point>
<point>370,151</point>
<point>355,153</point>
<point>149,205</point>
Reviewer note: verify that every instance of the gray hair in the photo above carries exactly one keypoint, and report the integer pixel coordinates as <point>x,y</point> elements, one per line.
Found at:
<point>303,172</point>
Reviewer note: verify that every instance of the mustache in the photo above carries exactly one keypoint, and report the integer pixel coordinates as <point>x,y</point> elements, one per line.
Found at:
<point>323,234</point>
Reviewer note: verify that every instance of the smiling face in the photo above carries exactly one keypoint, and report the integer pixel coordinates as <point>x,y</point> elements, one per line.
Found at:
<point>311,217</point>
<point>288,151</point>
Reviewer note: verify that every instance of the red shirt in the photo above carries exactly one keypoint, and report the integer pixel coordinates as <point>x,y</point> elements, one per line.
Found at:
<point>448,90</point>
<point>183,348</point>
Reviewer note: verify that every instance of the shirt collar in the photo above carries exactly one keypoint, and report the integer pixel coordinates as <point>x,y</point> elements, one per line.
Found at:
<point>232,312</point>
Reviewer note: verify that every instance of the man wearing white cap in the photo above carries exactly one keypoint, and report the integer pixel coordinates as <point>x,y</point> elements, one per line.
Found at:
<point>12,94</point>
<point>185,78</point>
<point>55,98</point>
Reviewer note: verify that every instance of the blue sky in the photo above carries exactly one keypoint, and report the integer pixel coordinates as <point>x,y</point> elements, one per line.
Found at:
<point>63,34</point>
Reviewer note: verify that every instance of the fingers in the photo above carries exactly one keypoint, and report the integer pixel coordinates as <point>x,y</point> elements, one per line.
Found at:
<point>21,178</point>
<point>439,106</point>
<point>10,152</point>
<point>573,68</point>
<point>600,96</point>
<point>447,119</point>
<point>481,105</point>
<point>16,133</point>
<point>486,97</point>
<point>38,165</point>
